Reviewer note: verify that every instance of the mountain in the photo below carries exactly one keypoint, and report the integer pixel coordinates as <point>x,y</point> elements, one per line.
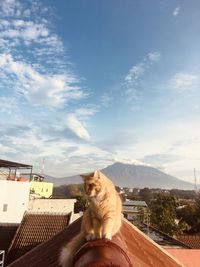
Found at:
<point>132,175</point>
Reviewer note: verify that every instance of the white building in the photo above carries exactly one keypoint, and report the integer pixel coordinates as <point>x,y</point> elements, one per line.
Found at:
<point>52,205</point>
<point>14,198</point>
<point>134,209</point>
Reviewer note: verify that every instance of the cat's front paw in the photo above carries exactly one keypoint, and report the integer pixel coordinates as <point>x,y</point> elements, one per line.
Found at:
<point>90,237</point>
<point>107,236</point>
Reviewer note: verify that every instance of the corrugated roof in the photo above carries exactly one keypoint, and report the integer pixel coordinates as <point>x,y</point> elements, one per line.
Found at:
<point>35,229</point>
<point>191,240</point>
<point>12,164</point>
<point>140,249</point>
<point>160,237</point>
<point>135,203</point>
<point>7,232</point>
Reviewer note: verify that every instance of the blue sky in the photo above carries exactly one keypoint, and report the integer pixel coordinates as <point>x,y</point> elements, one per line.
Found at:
<point>86,83</point>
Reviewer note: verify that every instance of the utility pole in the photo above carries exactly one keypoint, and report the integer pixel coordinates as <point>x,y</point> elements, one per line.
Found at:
<point>195,181</point>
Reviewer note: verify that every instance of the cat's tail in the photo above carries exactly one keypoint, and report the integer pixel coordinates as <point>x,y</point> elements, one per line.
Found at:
<point>68,251</point>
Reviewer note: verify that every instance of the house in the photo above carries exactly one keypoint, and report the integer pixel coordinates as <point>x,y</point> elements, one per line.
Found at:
<point>52,205</point>
<point>35,228</point>
<point>10,170</point>
<point>42,189</point>
<point>14,198</point>
<point>14,191</point>
<point>135,210</point>
<point>191,240</point>
<point>129,247</point>
<point>164,240</point>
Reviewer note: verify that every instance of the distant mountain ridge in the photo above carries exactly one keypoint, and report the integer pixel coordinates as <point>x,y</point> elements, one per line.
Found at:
<point>131,175</point>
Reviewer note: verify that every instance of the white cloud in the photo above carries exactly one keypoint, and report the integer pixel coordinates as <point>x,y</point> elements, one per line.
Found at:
<point>63,156</point>
<point>5,149</point>
<point>8,7</point>
<point>27,23</point>
<point>135,72</point>
<point>76,126</point>
<point>154,57</point>
<point>176,146</point>
<point>37,88</point>
<point>106,99</point>
<point>8,105</point>
<point>86,111</point>
<point>176,11</point>
<point>133,79</point>
<point>182,82</point>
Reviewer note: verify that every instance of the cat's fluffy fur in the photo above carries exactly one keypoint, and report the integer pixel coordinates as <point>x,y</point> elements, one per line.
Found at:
<point>102,218</point>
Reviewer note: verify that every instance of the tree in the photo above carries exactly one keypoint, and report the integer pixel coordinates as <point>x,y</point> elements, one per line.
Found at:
<point>80,204</point>
<point>190,214</point>
<point>145,194</point>
<point>163,214</point>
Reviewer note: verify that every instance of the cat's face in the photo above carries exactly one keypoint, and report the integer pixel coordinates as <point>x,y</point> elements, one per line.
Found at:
<point>92,184</point>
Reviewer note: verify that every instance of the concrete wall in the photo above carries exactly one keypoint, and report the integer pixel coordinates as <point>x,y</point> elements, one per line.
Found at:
<point>52,205</point>
<point>14,198</point>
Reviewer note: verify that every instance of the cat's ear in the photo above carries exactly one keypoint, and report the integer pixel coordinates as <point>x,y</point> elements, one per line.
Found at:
<point>97,174</point>
<point>86,176</point>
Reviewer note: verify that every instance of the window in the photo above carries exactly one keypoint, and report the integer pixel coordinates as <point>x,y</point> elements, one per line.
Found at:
<point>5,207</point>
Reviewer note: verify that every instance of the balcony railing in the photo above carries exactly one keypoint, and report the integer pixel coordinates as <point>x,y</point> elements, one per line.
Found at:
<point>2,257</point>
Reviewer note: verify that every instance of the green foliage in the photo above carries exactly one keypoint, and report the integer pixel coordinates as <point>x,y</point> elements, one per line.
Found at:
<point>72,191</point>
<point>190,214</point>
<point>68,191</point>
<point>163,214</point>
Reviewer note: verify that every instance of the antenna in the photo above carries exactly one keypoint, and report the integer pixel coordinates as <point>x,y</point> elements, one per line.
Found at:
<point>42,168</point>
<point>195,181</point>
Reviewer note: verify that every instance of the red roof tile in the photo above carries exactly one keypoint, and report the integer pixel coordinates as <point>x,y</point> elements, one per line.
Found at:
<point>141,250</point>
<point>191,240</point>
<point>35,229</point>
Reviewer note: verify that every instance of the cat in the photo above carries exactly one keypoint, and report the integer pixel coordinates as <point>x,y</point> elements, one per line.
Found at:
<point>102,218</point>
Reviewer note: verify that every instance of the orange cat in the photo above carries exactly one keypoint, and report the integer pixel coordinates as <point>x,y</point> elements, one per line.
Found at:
<point>103,217</point>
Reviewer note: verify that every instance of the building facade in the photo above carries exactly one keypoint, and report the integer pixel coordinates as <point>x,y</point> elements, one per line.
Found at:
<point>14,198</point>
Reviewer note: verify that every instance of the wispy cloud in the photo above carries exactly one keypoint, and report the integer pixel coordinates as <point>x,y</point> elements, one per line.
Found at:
<point>8,105</point>
<point>38,88</point>
<point>26,23</point>
<point>133,79</point>
<point>85,112</point>
<point>32,56</point>
<point>182,82</point>
<point>76,126</point>
<point>106,99</point>
<point>176,11</point>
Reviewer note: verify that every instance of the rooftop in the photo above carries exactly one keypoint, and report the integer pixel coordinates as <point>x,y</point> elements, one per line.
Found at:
<point>135,203</point>
<point>191,240</point>
<point>160,237</point>
<point>139,249</point>
<point>35,229</point>
<point>12,164</point>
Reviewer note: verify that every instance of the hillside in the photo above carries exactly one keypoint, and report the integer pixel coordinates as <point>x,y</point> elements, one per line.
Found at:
<point>131,175</point>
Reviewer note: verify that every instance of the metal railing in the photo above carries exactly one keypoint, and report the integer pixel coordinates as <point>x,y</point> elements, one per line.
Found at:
<point>2,257</point>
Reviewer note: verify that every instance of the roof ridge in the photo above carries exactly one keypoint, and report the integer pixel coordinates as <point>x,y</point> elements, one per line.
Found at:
<point>46,213</point>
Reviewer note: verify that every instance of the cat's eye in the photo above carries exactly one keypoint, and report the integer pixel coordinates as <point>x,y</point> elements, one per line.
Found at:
<point>91,186</point>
